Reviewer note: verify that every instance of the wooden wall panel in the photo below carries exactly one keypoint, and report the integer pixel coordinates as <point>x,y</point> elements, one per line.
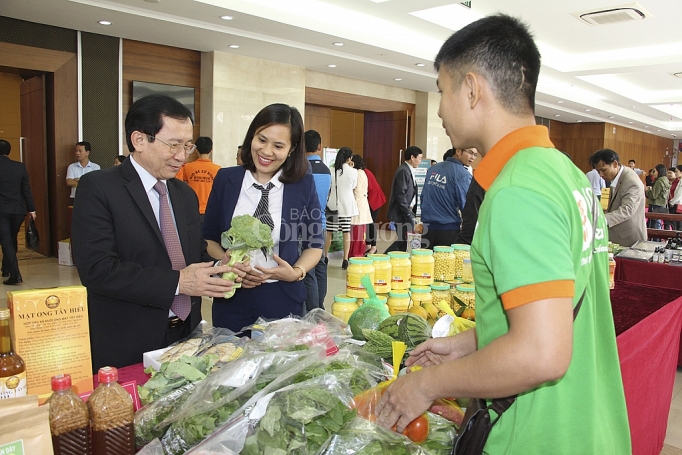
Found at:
<point>581,140</point>
<point>162,65</point>
<point>347,130</point>
<point>556,132</point>
<point>318,118</point>
<point>646,149</point>
<point>10,112</point>
<point>342,100</point>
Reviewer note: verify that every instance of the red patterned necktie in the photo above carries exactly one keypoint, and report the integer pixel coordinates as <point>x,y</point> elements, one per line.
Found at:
<point>182,304</point>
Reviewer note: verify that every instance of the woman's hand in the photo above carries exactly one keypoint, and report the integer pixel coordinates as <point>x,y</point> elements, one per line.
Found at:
<point>283,272</point>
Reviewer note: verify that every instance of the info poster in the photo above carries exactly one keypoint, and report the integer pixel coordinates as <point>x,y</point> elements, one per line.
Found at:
<point>419,177</point>
<point>329,156</point>
<point>52,335</point>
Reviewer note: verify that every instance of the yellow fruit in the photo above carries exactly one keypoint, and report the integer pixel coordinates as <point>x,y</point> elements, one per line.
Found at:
<point>470,314</point>
<point>431,310</point>
<point>416,309</point>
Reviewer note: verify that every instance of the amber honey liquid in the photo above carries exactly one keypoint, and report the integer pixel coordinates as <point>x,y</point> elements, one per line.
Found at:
<point>116,441</point>
<point>12,368</point>
<point>75,442</point>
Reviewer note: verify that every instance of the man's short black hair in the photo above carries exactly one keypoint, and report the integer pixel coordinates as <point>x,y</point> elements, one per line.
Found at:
<point>86,145</point>
<point>501,49</point>
<point>204,145</point>
<point>120,158</point>
<point>412,151</point>
<point>5,147</point>
<point>312,141</point>
<point>449,154</point>
<point>146,115</point>
<point>608,156</point>
<point>632,161</point>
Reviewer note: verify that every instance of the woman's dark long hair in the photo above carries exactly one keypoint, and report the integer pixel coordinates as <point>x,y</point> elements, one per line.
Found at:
<point>662,171</point>
<point>358,162</point>
<point>296,165</point>
<point>341,157</point>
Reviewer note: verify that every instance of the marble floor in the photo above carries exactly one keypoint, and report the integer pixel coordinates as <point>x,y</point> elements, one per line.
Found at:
<point>46,272</point>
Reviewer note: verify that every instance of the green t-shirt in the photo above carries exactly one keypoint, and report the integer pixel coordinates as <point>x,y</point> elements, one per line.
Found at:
<point>535,227</point>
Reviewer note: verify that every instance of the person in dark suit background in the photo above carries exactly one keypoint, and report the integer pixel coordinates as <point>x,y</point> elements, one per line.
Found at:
<point>143,260</point>
<point>403,200</point>
<point>275,186</point>
<point>15,201</point>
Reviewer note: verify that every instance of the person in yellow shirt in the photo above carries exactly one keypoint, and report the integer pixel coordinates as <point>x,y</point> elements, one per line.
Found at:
<point>199,174</point>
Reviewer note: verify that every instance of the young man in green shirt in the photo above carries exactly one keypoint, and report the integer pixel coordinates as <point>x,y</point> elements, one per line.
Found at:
<point>534,253</point>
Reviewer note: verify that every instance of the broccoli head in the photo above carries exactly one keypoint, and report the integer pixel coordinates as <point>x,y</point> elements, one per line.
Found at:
<point>246,234</point>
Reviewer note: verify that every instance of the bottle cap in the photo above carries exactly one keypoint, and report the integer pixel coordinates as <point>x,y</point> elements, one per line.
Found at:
<point>61,382</point>
<point>107,375</point>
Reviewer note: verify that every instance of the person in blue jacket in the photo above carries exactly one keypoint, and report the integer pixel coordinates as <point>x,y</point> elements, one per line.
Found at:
<point>275,186</point>
<point>316,281</point>
<point>443,198</point>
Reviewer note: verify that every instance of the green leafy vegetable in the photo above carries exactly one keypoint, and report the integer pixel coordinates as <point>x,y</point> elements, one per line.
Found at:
<point>175,374</point>
<point>246,234</point>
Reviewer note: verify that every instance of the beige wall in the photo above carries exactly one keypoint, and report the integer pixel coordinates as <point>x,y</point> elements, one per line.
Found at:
<point>10,111</point>
<point>429,132</point>
<point>326,81</point>
<point>242,86</point>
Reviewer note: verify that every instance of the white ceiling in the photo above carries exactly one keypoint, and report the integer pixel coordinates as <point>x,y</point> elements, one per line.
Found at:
<point>619,73</point>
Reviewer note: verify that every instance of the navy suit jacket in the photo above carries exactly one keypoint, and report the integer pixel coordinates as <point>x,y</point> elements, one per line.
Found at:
<point>301,215</point>
<point>15,192</point>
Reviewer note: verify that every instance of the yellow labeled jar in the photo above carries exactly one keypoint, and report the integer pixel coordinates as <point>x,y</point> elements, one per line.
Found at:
<point>398,302</point>
<point>357,268</point>
<point>421,295</point>
<point>441,291</point>
<point>401,269</point>
<point>466,293</point>
<point>422,267</point>
<point>461,251</point>
<point>344,306</point>
<point>444,263</point>
<point>382,272</point>
<point>467,273</point>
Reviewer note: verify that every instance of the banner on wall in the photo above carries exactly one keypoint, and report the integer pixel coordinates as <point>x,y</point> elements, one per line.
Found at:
<point>329,156</point>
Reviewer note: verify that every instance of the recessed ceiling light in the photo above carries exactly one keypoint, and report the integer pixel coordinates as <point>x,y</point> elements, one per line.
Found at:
<point>630,122</point>
<point>226,18</point>
<point>557,115</point>
<point>658,130</point>
<point>560,102</point>
<point>420,64</point>
<point>674,135</point>
<point>338,44</point>
<point>153,1</point>
<point>579,121</point>
<point>610,116</point>
<point>104,23</point>
<point>397,79</point>
<point>233,46</point>
<point>332,66</point>
<point>588,110</point>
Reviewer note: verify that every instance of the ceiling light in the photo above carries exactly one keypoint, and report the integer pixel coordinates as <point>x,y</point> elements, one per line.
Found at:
<point>579,121</point>
<point>588,110</point>
<point>226,18</point>
<point>104,23</point>
<point>658,130</point>
<point>338,44</point>
<point>557,115</point>
<point>332,66</point>
<point>233,46</point>
<point>630,122</point>
<point>610,116</point>
<point>677,75</point>
<point>420,64</point>
<point>397,79</point>
<point>560,102</point>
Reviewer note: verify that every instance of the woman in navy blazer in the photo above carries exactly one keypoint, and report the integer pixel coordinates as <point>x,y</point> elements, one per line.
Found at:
<point>273,153</point>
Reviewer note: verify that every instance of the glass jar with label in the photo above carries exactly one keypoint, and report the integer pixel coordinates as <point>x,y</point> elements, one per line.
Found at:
<point>422,267</point>
<point>467,273</point>
<point>382,272</point>
<point>444,263</point>
<point>466,293</point>
<point>421,295</point>
<point>357,268</point>
<point>441,291</point>
<point>344,306</point>
<point>461,252</point>
<point>401,270</point>
<point>12,366</point>
<point>398,302</point>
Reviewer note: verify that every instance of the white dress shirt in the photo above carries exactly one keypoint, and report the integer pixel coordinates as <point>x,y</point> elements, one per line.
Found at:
<point>76,171</point>
<point>249,196</point>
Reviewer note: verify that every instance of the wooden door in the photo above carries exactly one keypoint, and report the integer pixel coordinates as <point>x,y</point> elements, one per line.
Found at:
<point>34,154</point>
<point>386,138</point>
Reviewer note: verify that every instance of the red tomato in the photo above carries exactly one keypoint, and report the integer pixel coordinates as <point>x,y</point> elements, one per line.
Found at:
<point>418,429</point>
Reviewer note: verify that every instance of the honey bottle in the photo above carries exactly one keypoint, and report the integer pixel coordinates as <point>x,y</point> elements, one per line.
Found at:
<point>111,416</point>
<point>12,367</point>
<point>69,419</point>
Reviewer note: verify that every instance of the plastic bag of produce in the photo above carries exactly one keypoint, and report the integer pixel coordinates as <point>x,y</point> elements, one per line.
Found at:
<point>441,437</point>
<point>362,437</point>
<point>173,375</point>
<point>153,448</point>
<point>203,337</point>
<point>228,389</point>
<point>359,376</point>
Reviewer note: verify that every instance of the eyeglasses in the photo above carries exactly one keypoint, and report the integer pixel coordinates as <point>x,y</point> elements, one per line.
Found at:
<point>472,153</point>
<point>188,149</point>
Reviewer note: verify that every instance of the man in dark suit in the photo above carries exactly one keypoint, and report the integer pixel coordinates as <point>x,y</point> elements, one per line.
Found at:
<point>15,201</point>
<point>143,260</point>
<point>403,200</point>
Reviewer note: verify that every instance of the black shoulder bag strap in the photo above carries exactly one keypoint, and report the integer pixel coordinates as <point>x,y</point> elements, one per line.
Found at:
<point>473,435</point>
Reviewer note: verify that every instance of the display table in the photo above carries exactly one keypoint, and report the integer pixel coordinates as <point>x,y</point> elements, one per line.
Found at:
<point>648,321</point>
<point>659,275</point>
<point>653,274</point>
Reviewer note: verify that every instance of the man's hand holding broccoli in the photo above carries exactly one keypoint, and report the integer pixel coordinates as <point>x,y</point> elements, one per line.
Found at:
<point>246,234</point>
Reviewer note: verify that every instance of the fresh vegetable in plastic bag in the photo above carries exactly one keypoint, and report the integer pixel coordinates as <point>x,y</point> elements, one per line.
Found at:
<point>173,375</point>
<point>363,437</point>
<point>441,437</point>
<point>153,448</point>
<point>370,314</point>
<point>203,337</point>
